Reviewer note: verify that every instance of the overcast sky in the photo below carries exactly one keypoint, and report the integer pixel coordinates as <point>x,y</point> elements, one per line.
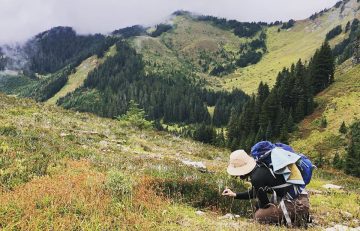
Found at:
<point>21,19</point>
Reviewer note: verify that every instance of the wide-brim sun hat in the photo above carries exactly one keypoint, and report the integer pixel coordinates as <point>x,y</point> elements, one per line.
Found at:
<point>240,163</point>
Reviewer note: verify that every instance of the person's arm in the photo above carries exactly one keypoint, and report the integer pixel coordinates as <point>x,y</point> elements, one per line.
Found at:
<point>249,194</point>
<point>242,195</point>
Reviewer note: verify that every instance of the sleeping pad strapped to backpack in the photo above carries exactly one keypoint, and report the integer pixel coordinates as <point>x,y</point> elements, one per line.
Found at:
<point>261,152</point>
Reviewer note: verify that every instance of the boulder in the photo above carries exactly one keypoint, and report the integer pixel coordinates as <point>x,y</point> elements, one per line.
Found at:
<point>194,164</point>
<point>332,186</point>
<point>199,213</point>
<point>340,227</point>
<point>229,216</point>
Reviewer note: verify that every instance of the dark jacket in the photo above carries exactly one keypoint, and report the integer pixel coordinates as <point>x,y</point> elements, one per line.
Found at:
<point>262,180</point>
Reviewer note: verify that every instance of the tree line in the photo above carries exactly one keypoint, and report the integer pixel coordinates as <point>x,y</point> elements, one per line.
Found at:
<point>350,163</point>
<point>249,53</point>
<point>159,29</point>
<point>130,31</point>
<point>348,47</point>
<point>139,30</point>
<point>172,99</point>
<point>333,32</point>
<point>240,29</point>
<point>52,50</point>
<point>270,114</point>
<point>288,24</point>
<point>273,114</point>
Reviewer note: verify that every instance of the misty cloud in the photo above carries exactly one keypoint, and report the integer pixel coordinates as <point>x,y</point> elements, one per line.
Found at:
<point>21,19</point>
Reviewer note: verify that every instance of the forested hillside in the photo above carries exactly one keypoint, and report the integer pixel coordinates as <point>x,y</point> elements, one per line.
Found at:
<point>134,128</point>
<point>186,58</point>
<point>54,49</point>
<point>109,88</point>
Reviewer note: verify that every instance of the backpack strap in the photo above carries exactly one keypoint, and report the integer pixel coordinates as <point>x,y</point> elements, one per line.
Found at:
<point>281,186</point>
<point>297,189</point>
<point>286,213</point>
<point>271,171</point>
<point>266,154</point>
<point>259,164</point>
<point>282,203</point>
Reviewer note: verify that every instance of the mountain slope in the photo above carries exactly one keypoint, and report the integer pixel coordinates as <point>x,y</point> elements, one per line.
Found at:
<point>65,170</point>
<point>68,168</point>
<point>287,46</point>
<point>204,50</point>
<point>193,45</point>
<point>77,79</point>
<point>202,46</point>
<point>339,103</point>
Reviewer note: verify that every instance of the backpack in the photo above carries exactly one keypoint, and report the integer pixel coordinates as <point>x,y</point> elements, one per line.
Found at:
<point>304,163</point>
<point>261,152</point>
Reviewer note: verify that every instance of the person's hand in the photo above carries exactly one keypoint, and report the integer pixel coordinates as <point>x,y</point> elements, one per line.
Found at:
<point>228,192</point>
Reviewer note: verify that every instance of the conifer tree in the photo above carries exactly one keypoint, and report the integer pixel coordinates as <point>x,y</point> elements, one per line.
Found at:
<point>284,136</point>
<point>290,123</point>
<point>322,68</point>
<point>337,161</point>
<point>352,159</point>
<point>268,133</point>
<point>347,27</point>
<point>356,58</point>
<point>220,139</point>
<point>323,122</point>
<point>260,136</point>
<point>343,128</point>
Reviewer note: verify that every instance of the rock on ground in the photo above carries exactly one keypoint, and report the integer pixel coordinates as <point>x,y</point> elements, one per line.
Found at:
<point>342,228</point>
<point>200,213</point>
<point>194,164</point>
<point>332,186</point>
<point>229,216</point>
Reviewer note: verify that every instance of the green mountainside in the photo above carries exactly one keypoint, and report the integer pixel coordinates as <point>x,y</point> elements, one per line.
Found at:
<point>202,45</point>
<point>66,170</point>
<point>210,53</point>
<point>337,104</point>
<point>122,157</point>
<point>287,46</point>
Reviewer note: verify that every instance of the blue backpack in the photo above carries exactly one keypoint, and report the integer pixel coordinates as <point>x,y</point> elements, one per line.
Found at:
<point>261,152</point>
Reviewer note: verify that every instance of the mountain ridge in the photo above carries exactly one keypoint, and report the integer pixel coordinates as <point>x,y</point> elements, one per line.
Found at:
<point>69,169</point>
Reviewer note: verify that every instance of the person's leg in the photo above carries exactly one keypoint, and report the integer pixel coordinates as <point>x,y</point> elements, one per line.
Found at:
<point>298,209</point>
<point>271,214</point>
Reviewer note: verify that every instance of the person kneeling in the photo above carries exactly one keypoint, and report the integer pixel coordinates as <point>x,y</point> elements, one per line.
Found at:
<point>264,182</point>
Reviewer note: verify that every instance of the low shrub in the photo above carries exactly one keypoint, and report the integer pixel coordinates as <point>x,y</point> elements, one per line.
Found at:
<point>8,130</point>
<point>119,185</point>
<point>202,190</point>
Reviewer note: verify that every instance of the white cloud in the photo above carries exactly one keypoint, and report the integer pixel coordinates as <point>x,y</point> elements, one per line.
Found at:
<point>21,19</point>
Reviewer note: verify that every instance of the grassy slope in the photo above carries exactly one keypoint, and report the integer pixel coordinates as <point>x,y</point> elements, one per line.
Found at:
<point>77,79</point>
<point>338,103</point>
<point>190,37</point>
<point>56,166</point>
<point>180,48</point>
<point>288,46</point>
<point>158,54</point>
